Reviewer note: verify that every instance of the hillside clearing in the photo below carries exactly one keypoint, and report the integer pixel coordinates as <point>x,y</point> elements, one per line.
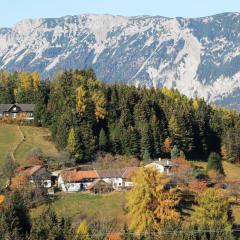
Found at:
<point>9,138</point>
<point>92,207</point>
<point>35,137</point>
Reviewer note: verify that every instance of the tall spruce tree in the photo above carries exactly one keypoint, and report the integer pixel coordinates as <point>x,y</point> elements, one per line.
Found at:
<point>215,163</point>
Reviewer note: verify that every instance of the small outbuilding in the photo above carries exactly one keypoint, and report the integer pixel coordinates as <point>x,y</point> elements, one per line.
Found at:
<point>100,186</point>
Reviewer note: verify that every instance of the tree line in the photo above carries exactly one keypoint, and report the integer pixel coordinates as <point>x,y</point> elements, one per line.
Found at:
<point>86,116</point>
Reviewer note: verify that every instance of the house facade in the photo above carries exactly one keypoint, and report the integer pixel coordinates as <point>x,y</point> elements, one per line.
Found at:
<point>77,180</point>
<point>112,176</point>
<point>21,111</point>
<point>40,175</point>
<point>162,165</point>
<point>128,175</point>
<point>37,175</point>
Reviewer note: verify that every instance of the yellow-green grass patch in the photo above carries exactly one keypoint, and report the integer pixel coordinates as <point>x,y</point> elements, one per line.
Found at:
<point>35,137</point>
<point>9,138</point>
<point>89,206</point>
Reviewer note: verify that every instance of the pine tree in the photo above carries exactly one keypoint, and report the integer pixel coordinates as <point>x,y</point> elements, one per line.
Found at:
<point>9,168</point>
<point>102,140</point>
<point>175,153</point>
<point>175,129</point>
<point>14,217</point>
<point>215,163</point>
<point>115,138</point>
<point>146,143</point>
<point>134,139</point>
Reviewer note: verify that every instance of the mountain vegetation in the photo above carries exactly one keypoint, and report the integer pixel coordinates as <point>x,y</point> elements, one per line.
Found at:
<point>86,116</point>
<point>197,56</point>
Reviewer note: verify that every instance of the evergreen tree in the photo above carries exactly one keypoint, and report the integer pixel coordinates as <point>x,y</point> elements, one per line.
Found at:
<point>215,163</point>
<point>102,140</point>
<point>14,217</point>
<point>146,143</point>
<point>175,153</point>
<point>48,226</point>
<point>9,168</point>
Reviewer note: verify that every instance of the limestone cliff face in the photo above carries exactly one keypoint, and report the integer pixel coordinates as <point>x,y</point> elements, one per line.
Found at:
<point>200,57</point>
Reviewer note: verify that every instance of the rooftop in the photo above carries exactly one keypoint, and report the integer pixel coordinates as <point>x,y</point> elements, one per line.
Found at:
<point>23,107</point>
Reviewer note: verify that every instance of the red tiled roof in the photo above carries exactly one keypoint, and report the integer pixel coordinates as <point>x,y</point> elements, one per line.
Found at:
<point>75,176</point>
<point>130,172</point>
<point>34,169</point>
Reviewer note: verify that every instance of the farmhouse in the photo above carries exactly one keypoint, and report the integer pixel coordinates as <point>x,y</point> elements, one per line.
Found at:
<point>162,165</point>
<point>128,175</point>
<point>77,180</point>
<point>112,176</point>
<point>74,180</point>
<point>38,175</point>
<point>23,111</point>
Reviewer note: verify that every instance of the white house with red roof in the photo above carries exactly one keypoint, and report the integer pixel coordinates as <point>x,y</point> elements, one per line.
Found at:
<point>78,180</point>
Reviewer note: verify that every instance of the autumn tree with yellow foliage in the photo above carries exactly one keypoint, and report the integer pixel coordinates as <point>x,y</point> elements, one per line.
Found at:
<point>83,231</point>
<point>150,203</point>
<point>71,141</point>
<point>213,213</point>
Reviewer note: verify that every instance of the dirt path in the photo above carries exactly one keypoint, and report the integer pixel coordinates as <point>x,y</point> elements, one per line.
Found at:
<point>23,138</point>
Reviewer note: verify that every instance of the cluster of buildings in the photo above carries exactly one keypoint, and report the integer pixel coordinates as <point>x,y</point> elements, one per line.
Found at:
<point>95,181</point>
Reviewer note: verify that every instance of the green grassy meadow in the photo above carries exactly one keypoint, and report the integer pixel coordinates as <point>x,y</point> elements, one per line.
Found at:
<point>9,138</point>
<point>80,205</point>
<point>34,138</point>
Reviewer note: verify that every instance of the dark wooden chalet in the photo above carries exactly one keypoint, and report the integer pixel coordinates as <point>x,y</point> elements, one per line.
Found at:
<point>23,111</point>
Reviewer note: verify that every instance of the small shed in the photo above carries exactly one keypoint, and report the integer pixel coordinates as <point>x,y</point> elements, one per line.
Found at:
<point>100,186</point>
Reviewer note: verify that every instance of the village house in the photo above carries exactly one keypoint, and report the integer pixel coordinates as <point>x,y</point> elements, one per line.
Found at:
<point>112,176</point>
<point>77,180</point>
<point>162,165</point>
<point>38,175</point>
<point>21,111</point>
<point>128,175</point>
<point>74,180</point>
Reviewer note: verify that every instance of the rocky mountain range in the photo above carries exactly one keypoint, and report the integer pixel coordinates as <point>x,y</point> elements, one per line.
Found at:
<point>200,57</point>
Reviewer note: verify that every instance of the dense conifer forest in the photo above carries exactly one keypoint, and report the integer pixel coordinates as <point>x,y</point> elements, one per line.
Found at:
<point>86,116</point>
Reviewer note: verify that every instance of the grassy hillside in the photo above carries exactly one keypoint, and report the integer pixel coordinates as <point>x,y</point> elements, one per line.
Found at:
<point>92,207</point>
<point>232,171</point>
<point>34,138</point>
<point>9,138</point>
